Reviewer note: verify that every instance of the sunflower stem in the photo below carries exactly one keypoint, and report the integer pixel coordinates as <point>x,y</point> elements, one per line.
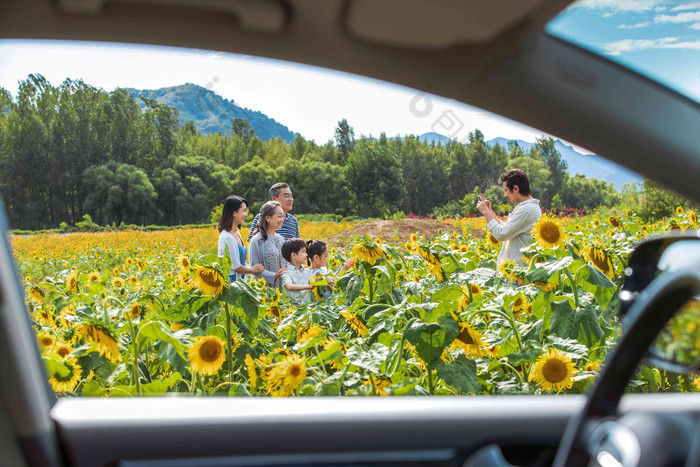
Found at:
<point>135,359</point>
<point>192,383</point>
<point>574,287</point>
<point>374,386</point>
<point>431,384</point>
<point>229,351</point>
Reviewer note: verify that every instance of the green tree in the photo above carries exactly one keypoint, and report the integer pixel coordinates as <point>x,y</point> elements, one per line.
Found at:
<point>344,141</point>
<point>253,180</point>
<point>119,193</point>
<point>319,187</point>
<point>425,174</point>
<point>241,128</point>
<point>374,175</point>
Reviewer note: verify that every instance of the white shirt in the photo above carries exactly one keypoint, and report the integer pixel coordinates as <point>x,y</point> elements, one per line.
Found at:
<point>515,232</point>
<point>226,239</point>
<point>299,277</point>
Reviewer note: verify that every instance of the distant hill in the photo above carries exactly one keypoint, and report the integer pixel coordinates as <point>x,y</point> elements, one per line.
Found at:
<point>590,165</point>
<point>433,138</point>
<point>212,113</point>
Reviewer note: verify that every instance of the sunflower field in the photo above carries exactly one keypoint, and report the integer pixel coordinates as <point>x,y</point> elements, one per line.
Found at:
<point>136,314</point>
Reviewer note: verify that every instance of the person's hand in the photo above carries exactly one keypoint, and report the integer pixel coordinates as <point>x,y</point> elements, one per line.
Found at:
<point>257,268</point>
<point>279,273</point>
<point>483,205</point>
<point>483,198</point>
<point>348,264</point>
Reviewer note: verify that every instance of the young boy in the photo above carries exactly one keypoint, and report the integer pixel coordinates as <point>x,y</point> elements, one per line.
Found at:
<point>296,279</point>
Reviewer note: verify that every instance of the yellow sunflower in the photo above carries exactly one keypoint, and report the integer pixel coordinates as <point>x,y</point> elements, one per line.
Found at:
<point>600,260</point>
<point>36,295</point>
<point>548,232</point>
<point>615,222</point>
<point>463,248</point>
<point>43,317</point>
<point>355,323</point>
<point>63,350</point>
<point>693,218</point>
<point>183,262</point>
<point>679,210</point>
<point>286,376</point>
<point>117,282</point>
<point>553,371</point>
<point>68,381</point>
<point>414,238</point>
<point>104,343</point>
<point>380,384</point>
<point>434,264</point>
<point>306,333</point>
<point>207,355</point>
<point>508,268</point>
<point>492,240</point>
<point>116,272</point>
<point>471,342</point>
<point>46,341</point>
<point>521,307</point>
<point>252,370</point>
<point>134,281</point>
<point>209,281</point>
<point>369,252</point>
<point>176,327</point>
<point>93,277</point>
<point>72,283</point>
<point>129,262</point>
<point>463,300</point>
<point>134,311</point>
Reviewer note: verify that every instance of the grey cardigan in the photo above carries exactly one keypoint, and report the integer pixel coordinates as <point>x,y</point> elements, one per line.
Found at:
<point>274,261</point>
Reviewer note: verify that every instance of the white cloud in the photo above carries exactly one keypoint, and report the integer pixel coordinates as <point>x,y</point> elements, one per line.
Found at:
<point>632,45</point>
<point>687,6</point>
<point>635,26</point>
<point>690,17</point>
<point>659,8</point>
<point>695,26</point>
<point>619,5</point>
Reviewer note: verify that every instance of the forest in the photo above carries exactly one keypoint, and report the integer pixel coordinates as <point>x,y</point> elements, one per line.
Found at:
<point>75,149</point>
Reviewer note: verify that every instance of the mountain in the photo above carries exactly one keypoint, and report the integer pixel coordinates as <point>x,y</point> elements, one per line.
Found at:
<point>211,112</point>
<point>590,165</point>
<point>433,138</point>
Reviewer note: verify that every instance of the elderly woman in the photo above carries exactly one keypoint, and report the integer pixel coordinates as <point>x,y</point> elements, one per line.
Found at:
<point>266,245</point>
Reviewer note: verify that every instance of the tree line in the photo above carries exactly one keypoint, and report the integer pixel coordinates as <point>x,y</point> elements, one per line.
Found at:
<point>74,149</point>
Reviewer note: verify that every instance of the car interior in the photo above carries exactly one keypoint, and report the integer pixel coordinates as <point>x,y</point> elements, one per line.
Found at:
<point>493,55</point>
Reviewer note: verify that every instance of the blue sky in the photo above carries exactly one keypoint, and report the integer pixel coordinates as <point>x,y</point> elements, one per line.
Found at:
<point>659,38</point>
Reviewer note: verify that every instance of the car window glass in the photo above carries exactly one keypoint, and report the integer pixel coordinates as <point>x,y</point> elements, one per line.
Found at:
<point>117,162</point>
<point>659,39</point>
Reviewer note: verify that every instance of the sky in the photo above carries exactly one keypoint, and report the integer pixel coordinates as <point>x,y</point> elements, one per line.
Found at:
<point>653,36</point>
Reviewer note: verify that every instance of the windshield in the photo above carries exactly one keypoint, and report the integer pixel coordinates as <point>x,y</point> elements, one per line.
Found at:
<point>656,38</point>
<point>200,223</point>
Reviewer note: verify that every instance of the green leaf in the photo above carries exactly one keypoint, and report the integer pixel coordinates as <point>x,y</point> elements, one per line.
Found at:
<point>460,374</point>
<point>369,360</point>
<point>593,281</point>
<point>238,390</point>
<point>161,386</point>
<point>543,271</point>
<point>154,331</point>
<point>54,366</point>
<point>431,339</point>
<point>93,389</point>
<point>354,288</point>
<point>447,294</point>
<point>526,356</point>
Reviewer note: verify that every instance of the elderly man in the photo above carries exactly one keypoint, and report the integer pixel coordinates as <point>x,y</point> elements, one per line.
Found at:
<point>515,232</point>
<point>290,227</point>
